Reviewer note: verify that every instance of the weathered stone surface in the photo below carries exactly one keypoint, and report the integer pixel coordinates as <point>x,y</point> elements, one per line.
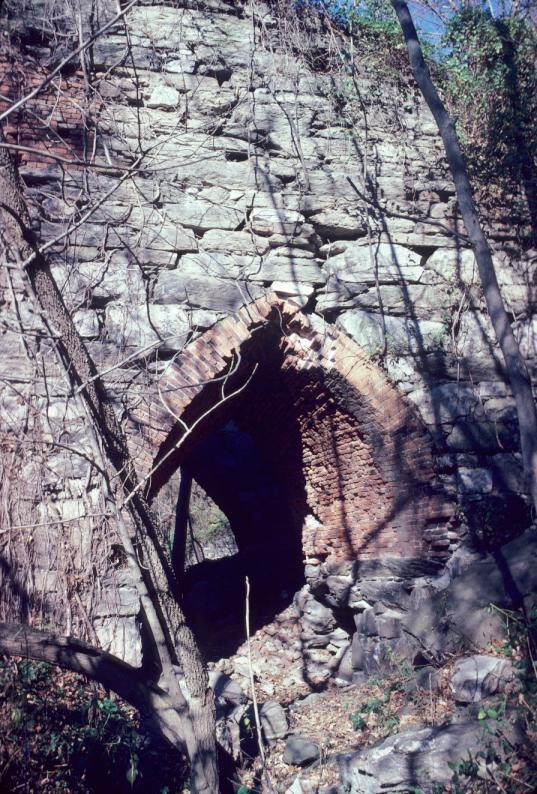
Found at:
<point>373,655</point>
<point>344,672</point>
<point>449,266</point>
<point>418,300</point>
<point>233,242</point>
<point>460,612</point>
<point>445,402</point>
<point>507,471</point>
<point>117,277</point>
<point>300,752</point>
<point>526,333</point>
<point>392,593</point>
<point>335,223</point>
<point>273,721</point>
<point>118,601</point>
<point>389,624</point>
<point>294,269</point>
<point>206,292</point>
<point>403,335</point>
<point>476,677</point>
<point>476,343</point>
<point>203,215</point>
<point>87,323</point>
<point>483,437</point>
<point>276,221</point>
<point>318,617</point>
<point>359,264</point>
<point>366,623</point>
<point>427,678</point>
<point>216,264</point>
<point>417,758</point>
<point>155,232</point>
<point>474,480</point>
<point>336,588</point>
<point>141,326</point>
<point>299,293</point>
<point>165,97</point>
<point>226,689</point>
<point>121,637</point>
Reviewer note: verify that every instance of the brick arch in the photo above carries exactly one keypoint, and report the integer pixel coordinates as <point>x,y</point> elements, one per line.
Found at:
<point>363,483</point>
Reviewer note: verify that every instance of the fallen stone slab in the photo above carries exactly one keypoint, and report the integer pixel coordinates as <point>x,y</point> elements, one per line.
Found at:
<point>273,721</point>
<point>300,752</point>
<point>479,676</point>
<point>416,759</point>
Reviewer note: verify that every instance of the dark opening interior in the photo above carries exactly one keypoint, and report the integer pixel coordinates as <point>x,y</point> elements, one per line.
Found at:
<point>231,467</point>
<point>251,467</point>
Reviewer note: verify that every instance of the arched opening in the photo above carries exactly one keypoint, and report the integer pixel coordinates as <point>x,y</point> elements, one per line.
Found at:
<point>251,464</point>
<point>313,456</point>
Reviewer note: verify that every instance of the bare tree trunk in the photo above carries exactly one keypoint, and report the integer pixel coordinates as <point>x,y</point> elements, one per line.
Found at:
<point>153,702</point>
<point>515,365</point>
<point>200,733</point>
<point>182,521</point>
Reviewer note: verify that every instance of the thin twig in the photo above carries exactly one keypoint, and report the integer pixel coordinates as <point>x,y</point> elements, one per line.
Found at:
<point>251,673</point>
<point>66,60</point>
<point>188,432</point>
<point>65,160</point>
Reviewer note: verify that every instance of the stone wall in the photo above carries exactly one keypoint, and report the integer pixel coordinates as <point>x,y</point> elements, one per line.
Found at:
<point>228,170</point>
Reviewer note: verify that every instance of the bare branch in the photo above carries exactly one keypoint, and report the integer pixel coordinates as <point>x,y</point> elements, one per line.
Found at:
<point>66,60</point>
<point>80,657</point>
<point>67,161</point>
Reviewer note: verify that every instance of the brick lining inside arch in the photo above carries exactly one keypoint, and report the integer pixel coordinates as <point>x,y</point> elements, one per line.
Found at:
<point>356,462</point>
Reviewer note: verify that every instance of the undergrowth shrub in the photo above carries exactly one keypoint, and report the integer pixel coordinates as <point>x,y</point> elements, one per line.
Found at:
<point>60,733</point>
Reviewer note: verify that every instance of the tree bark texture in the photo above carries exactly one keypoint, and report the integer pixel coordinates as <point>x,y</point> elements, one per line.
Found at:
<point>515,365</point>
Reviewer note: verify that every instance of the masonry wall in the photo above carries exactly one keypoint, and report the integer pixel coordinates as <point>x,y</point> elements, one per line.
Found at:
<point>227,169</point>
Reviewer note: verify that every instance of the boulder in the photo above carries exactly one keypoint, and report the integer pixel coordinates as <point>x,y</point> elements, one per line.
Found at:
<point>203,215</point>
<point>273,721</point>
<point>87,323</point>
<point>389,263</point>
<point>393,594</point>
<point>445,402</point>
<point>478,676</point>
<point>404,335</point>
<point>204,291</point>
<point>300,752</point>
<point>366,623</point>
<point>167,327</point>
<point>373,655</point>
<point>344,673</point>
<point>316,616</point>
<point>412,760</point>
<point>389,624</point>
<point>269,221</point>
<point>474,480</point>
<point>459,613</point>
<point>427,678</point>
